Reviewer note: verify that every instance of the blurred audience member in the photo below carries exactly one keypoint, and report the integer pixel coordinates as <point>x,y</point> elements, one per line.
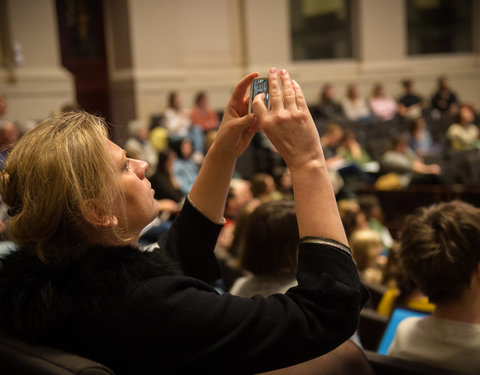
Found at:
<point>383,107</point>
<point>353,218</point>
<point>463,133</point>
<point>269,251</point>
<point>264,188</point>
<point>419,137</point>
<point>3,106</point>
<point>283,181</point>
<point>184,167</point>
<point>355,107</point>
<point>328,107</point>
<point>410,104</point>
<point>351,151</point>
<point>163,181</point>
<point>366,248</point>
<point>374,214</point>
<point>407,165</point>
<point>444,100</point>
<point>179,125</point>
<point>202,115</point>
<point>439,248</point>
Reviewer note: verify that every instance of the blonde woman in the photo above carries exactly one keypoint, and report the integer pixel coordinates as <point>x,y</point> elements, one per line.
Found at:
<point>80,283</point>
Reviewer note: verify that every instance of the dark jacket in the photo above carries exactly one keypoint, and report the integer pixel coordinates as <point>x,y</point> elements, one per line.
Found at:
<point>153,312</point>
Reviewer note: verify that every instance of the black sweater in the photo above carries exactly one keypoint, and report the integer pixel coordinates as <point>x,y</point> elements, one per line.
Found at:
<point>153,312</point>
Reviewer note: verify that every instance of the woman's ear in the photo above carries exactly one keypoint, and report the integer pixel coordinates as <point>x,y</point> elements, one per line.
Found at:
<point>94,213</point>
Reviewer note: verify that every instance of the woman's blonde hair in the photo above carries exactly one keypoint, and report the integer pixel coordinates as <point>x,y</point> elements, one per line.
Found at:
<point>52,175</point>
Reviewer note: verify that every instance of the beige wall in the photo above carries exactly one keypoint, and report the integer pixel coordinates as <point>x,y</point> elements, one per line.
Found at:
<point>156,46</point>
<point>41,83</point>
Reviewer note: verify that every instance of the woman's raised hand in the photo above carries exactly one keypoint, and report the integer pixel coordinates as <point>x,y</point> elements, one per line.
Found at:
<point>288,124</point>
<point>238,126</point>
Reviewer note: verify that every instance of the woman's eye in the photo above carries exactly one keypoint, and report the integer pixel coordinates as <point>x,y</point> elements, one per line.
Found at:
<point>127,165</point>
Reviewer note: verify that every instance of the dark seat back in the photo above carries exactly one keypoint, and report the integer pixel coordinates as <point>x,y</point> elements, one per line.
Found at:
<point>20,358</point>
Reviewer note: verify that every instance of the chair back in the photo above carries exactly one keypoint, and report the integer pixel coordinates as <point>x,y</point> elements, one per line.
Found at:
<point>20,358</point>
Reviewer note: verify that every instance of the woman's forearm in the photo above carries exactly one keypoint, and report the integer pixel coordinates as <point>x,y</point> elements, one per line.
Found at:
<point>315,203</point>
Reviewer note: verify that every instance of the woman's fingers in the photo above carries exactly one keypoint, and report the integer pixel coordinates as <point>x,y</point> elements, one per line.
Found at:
<point>288,91</point>
<point>241,88</point>
<point>276,101</point>
<point>299,97</point>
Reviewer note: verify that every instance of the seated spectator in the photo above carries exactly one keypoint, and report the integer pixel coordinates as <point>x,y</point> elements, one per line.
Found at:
<point>366,248</point>
<point>185,169</point>
<point>439,248</point>
<point>3,106</point>
<point>410,104</point>
<point>138,145</point>
<point>283,180</point>
<point>419,137</point>
<point>355,107</point>
<point>202,115</point>
<point>264,188</point>
<point>444,100</point>
<point>328,107</point>
<point>163,181</point>
<point>179,125</point>
<point>352,216</point>
<point>351,151</point>
<point>374,214</point>
<point>463,133</point>
<point>268,251</point>
<point>383,107</point>
<point>407,165</point>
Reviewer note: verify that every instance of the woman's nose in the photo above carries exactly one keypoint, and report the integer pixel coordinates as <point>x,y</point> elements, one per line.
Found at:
<point>139,167</point>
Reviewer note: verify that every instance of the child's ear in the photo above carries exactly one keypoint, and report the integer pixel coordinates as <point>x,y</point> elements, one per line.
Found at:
<point>94,214</point>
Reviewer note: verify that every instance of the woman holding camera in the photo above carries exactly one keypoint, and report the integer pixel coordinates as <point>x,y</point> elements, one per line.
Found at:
<point>79,282</point>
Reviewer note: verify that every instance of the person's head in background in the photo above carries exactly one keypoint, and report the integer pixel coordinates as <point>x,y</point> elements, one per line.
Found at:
<point>327,94</point>
<point>465,115</point>
<point>262,186</point>
<point>174,101</point>
<point>333,135</point>
<point>166,158</point>
<point>398,143</point>
<point>366,248</point>
<point>378,90</point>
<point>69,187</point>
<point>270,240</point>
<point>201,100</point>
<point>239,195</point>
<point>352,91</point>
<point>440,252</point>
<point>183,148</point>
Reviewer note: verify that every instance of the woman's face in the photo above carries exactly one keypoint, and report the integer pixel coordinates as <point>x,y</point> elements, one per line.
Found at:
<point>140,206</point>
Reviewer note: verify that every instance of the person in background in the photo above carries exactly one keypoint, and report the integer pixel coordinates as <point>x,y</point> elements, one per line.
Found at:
<point>163,181</point>
<point>355,107</point>
<point>439,249</point>
<point>463,133</point>
<point>328,107</point>
<point>367,247</point>
<point>185,169</point>
<point>268,251</point>
<point>80,283</point>
<point>444,100</point>
<point>410,104</point>
<point>202,115</point>
<point>263,187</point>
<point>419,137</point>
<point>383,107</point>
<point>407,165</point>
<point>179,125</point>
